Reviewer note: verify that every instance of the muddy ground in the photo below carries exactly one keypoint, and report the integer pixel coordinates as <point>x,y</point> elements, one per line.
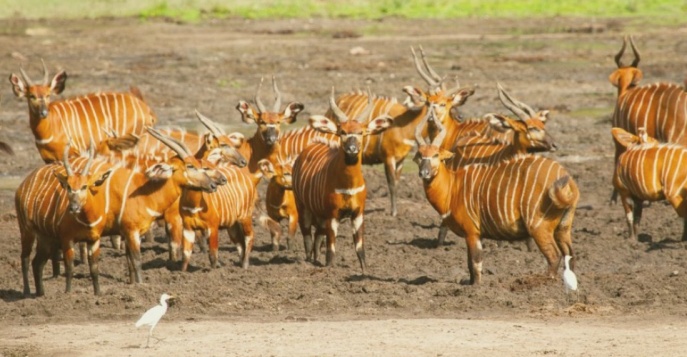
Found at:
<point>558,64</point>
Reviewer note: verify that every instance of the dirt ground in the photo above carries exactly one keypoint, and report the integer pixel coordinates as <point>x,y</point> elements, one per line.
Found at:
<point>633,295</point>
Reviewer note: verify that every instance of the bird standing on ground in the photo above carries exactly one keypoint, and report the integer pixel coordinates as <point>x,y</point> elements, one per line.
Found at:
<point>153,316</point>
<point>569,277</point>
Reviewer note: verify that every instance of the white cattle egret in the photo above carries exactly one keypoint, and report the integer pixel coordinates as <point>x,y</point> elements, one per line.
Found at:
<point>153,316</point>
<point>569,277</point>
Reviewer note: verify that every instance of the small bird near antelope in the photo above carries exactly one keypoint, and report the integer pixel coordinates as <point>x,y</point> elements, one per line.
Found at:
<point>153,316</point>
<point>569,277</point>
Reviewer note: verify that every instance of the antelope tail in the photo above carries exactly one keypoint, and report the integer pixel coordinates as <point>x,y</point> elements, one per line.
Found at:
<point>562,195</point>
<point>269,223</point>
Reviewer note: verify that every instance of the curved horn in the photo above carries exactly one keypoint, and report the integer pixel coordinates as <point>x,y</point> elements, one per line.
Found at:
<point>171,143</point>
<point>338,113</point>
<point>25,77</point>
<point>454,89</point>
<point>442,131</point>
<point>429,69</point>
<point>509,103</point>
<point>635,62</point>
<point>91,154</point>
<point>65,160</point>
<point>618,57</point>
<point>261,107</point>
<point>46,79</point>
<point>363,117</point>
<point>209,124</point>
<point>277,93</point>
<point>422,73</point>
<point>418,131</point>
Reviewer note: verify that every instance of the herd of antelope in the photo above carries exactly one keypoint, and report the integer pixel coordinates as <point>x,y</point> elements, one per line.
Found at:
<point>110,172</point>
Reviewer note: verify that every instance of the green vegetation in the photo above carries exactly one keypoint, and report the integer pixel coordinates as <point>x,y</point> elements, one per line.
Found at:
<point>195,10</point>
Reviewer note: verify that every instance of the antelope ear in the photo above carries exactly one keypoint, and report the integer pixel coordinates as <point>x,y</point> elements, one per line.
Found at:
<point>209,139</point>
<point>159,172</point>
<point>248,114</point>
<point>61,178</point>
<point>102,178</point>
<point>18,86</point>
<point>460,97</point>
<point>636,76</point>
<point>445,155</point>
<point>379,124</point>
<point>623,138</point>
<point>214,156</point>
<point>267,168</point>
<point>614,78</point>
<point>498,122</point>
<point>291,111</point>
<point>58,82</point>
<point>323,124</point>
<point>417,96</point>
<point>236,139</point>
<point>543,115</point>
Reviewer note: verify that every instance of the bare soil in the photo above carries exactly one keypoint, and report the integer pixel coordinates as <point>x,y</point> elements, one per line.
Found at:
<point>633,295</point>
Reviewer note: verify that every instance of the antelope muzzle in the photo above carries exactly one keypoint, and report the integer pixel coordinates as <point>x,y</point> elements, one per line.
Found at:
<point>425,167</point>
<point>351,145</point>
<point>270,135</point>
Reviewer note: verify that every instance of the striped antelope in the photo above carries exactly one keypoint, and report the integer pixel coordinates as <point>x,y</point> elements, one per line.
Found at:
<point>279,200</point>
<point>659,108</point>
<point>525,196</point>
<point>509,138</point>
<point>649,171</point>
<point>261,144</point>
<point>328,182</point>
<point>54,123</point>
<point>58,219</point>
<point>231,207</point>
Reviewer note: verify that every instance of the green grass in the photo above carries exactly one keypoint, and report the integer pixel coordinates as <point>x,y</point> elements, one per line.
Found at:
<point>195,10</point>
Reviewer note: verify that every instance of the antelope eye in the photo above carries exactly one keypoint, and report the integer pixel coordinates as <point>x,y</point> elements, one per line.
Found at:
<point>84,187</point>
<point>190,167</point>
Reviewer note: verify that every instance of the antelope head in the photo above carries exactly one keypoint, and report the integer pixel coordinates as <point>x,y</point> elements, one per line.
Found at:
<point>269,122</point>
<point>626,76</point>
<point>227,145</point>
<point>78,185</point>
<point>281,172</point>
<point>438,97</point>
<point>38,95</point>
<point>184,169</point>
<point>430,156</point>
<point>351,131</point>
<point>529,126</point>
